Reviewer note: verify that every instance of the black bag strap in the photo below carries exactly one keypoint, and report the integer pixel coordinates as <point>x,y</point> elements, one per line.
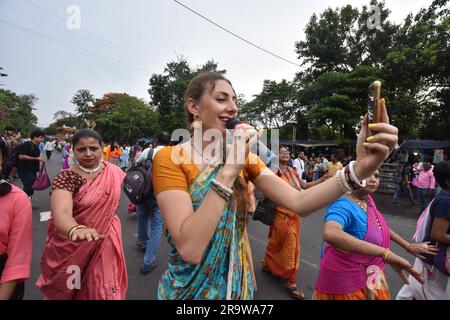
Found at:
<point>150,155</point>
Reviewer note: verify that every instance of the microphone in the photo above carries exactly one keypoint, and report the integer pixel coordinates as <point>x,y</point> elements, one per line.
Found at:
<point>266,155</point>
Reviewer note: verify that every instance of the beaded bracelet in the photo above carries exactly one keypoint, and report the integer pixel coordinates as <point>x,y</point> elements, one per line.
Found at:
<point>340,177</point>
<point>221,190</point>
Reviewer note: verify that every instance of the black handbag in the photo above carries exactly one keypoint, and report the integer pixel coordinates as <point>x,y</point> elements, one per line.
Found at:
<point>265,211</point>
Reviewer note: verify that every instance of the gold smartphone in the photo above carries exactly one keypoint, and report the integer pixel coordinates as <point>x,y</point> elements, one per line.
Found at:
<point>373,103</point>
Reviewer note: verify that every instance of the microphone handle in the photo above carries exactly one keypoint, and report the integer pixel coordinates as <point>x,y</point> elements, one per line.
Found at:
<point>260,149</point>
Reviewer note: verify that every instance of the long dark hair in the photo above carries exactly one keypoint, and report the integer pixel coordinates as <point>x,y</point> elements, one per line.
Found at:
<point>195,90</point>
<point>5,187</point>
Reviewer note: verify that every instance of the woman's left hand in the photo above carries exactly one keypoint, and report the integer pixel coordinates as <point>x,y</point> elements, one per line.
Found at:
<point>421,249</point>
<point>372,151</point>
<point>86,234</point>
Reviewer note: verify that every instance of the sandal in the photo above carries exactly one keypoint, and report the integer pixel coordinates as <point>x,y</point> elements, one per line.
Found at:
<point>296,293</point>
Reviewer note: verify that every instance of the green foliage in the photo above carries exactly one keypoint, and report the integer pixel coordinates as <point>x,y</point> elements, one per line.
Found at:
<point>274,107</point>
<point>167,91</point>
<point>340,40</point>
<point>83,100</point>
<point>50,131</point>
<point>342,55</point>
<point>418,73</point>
<point>124,118</point>
<point>18,111</point>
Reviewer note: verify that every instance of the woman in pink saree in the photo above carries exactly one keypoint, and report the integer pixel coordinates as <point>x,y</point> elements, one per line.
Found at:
<point>66,155</point>
<point>83,258</point>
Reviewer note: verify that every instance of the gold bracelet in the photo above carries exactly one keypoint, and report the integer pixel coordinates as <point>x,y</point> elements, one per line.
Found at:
<point>74,228</point>
<point>385,254</point>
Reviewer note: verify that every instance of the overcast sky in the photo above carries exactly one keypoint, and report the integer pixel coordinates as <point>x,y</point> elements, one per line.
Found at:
<point>122,43</point>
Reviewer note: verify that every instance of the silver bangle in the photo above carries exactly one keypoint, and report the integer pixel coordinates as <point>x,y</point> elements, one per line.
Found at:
<point>221,190</point>
<point>361,184</point>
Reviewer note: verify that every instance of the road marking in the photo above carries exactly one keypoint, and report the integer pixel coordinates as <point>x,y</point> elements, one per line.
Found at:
<point>45,216</point>
<point>313,265</point>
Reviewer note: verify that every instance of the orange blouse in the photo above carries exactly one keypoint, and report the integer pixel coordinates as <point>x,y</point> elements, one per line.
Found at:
<point>108,153</point>
<point>168,175</point>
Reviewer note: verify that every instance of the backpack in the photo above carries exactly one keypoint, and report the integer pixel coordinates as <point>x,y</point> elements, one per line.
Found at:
<point>13,159</point>
<point>138,180</point>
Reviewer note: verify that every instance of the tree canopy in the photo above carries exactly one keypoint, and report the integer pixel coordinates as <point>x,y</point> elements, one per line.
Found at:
<point>345,49</point>
<point>167,90</point>
<point>17,111</point>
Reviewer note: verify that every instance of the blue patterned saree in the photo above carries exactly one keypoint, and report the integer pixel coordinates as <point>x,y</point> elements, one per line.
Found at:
<point>226,271</point>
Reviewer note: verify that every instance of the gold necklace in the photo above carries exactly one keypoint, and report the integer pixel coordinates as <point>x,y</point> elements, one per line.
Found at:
<point>360,203</point>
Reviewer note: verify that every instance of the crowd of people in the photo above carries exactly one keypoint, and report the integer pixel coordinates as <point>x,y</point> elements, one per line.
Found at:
<point>416,180</point>
<point>200,202</point>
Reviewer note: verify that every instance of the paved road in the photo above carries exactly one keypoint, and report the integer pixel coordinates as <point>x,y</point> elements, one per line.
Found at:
<point>401,218</point>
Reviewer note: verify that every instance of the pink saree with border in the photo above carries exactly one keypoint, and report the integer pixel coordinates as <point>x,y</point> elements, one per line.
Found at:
<point>82,270</point>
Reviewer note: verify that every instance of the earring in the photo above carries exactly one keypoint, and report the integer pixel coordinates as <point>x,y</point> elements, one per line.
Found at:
<point>197,123</point>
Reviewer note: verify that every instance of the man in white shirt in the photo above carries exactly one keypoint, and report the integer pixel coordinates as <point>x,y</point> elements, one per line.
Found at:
<point>299,164</point>
<point>49,146</point>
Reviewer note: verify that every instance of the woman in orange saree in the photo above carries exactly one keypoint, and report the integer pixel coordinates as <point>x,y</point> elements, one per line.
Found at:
<point>282,257</point>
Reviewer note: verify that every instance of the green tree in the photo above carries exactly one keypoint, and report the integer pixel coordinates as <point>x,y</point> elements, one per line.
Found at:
<point>167,90</point>
<point>340,40</point>
<point>418,71</point>
<point>83,100</point>
<point>274,107</point>
<point>342,55</point>
<point>18,111</point>
<point>50,131</point>
<point>124,118</point>
<point>335,101</point>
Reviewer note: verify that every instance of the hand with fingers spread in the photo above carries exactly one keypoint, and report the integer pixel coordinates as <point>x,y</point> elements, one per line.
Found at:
<point>400,264</point>
<point>85,234</point>
<point>372,151</point>
<point>420,250</point>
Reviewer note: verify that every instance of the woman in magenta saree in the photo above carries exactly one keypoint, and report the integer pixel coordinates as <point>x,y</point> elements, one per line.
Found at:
<point>83,258</point>
<point>358,241</point>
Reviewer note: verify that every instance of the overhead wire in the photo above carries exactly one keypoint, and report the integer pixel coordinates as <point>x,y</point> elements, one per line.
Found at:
<point>237,36</point>
<point>73,46</point>
<point>86,30</point>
